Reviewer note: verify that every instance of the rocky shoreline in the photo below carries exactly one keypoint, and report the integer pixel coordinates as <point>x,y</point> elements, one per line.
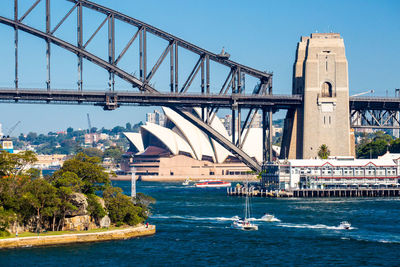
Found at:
<point>33,241</point>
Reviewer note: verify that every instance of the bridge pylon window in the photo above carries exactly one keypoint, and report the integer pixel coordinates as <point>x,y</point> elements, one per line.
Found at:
<point>326,90</point>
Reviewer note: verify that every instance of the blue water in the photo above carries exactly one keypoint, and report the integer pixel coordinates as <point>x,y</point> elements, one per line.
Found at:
<point>193,228</point>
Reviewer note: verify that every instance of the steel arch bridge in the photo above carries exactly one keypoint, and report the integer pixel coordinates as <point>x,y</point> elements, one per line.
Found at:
<point>380,113</point>
<point>233,88</point>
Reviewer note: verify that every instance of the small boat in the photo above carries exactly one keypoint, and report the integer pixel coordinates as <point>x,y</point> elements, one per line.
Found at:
<point>345,225</point>
<point>186,182</point>
<point>245,223</point>
<point>213,183</point>
<point>268,217</point>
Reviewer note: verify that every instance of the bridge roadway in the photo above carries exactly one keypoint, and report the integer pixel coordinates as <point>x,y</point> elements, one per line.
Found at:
<point>111,100</point>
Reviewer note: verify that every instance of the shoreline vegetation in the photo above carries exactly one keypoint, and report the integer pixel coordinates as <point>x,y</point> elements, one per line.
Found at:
<point>78,197</point>
<point>68,237</point>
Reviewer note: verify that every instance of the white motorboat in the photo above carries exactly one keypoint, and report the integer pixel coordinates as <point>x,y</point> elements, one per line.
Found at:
<point>345,225</point>
<point>245,223</point>
<point>268,217</point>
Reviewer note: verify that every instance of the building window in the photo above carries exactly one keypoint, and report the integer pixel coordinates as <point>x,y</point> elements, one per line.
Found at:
<point>326,90</point>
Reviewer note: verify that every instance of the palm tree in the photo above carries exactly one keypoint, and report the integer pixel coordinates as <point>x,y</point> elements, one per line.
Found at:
<point>323,151</point>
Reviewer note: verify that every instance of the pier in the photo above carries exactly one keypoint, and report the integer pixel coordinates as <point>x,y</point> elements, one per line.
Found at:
<point>315,193</point>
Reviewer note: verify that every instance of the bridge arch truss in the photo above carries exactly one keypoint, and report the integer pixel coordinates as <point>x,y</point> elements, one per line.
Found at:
<point>233,85</point>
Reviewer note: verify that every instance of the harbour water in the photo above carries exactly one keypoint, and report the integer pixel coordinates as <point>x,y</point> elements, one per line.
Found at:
<point>193,228</point>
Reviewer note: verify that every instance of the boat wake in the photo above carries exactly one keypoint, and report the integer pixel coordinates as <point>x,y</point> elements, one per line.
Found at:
<point>266,218</point>
<point>194,218</point>
<point>314,226</point>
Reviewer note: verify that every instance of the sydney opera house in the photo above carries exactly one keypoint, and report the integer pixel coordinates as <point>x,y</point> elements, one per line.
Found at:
<point>180,151</point>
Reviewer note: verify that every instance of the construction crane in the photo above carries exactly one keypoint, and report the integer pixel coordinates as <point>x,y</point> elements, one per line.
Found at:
<point>13,128</point>
<point>364,93</point>
<point>89,124</point>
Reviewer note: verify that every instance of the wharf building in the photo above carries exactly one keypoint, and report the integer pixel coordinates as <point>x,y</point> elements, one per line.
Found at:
<point>340,173</point>
<point>180,150</point>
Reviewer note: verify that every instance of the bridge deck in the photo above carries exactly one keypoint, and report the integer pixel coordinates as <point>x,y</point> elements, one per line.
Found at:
<point>154,99</point>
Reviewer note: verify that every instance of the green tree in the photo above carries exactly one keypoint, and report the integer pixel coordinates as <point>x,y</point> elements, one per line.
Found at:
<point>323,152</point>
<point>41,196</point>
<point>6,218</point>
<point>66,185</point>
<point>376,147</point>
<point>117,129</point>
<point>12,164</point>
<point>31,136</point>
<point>121,208</point>
<point>91,152</point>
<point>395,146</point>
<point>89,170</point>
<point>113,152</point>
<point>95,209</point>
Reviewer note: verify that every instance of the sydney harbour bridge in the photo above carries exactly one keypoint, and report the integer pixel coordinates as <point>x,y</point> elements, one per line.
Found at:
<point>182,92</point>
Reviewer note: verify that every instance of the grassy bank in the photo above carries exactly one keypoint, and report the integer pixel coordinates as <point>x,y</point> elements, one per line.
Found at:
<point>68,237</point>
<point>49,233</point>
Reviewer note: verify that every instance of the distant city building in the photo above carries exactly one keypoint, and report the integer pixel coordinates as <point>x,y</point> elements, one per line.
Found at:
<point>257,121</point>
<point>227,122</point>
<point>1,130</point>
<point>7,144</point>
<point>91,138</point>
<point>156,117</point>
<point>48,161</point>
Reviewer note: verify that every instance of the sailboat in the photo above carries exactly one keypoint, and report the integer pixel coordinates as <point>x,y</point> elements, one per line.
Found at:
<point>245,223</point>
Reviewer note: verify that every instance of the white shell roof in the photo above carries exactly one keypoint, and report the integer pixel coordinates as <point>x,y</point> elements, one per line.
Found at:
<point>197,140</point>
<point>253,144</point>
<point>188,138</point>
<point>136,140</point>
<point>170,139</point>
<point>219,151</point>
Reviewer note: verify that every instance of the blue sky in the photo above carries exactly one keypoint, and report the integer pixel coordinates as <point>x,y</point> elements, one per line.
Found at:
<point>260,34</point>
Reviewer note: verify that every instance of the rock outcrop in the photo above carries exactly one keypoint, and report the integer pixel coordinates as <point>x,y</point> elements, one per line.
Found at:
<point>79,223</point>
<point>79,200</point>
<point>76,220</point>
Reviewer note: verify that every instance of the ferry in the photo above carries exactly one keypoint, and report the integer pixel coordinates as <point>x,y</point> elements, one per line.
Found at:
<point>213,183</point>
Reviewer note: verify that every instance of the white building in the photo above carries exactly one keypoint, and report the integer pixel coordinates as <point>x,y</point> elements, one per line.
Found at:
<point>339,172</point>
<point>182,150</point>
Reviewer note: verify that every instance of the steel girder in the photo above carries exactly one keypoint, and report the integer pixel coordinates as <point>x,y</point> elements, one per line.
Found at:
<point>129,98</point>
<point>375,112</point>
<point>375,119</point>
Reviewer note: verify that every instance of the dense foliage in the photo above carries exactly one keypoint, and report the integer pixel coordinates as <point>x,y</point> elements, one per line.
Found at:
<point>376,145</point>
<point>27,199</point>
